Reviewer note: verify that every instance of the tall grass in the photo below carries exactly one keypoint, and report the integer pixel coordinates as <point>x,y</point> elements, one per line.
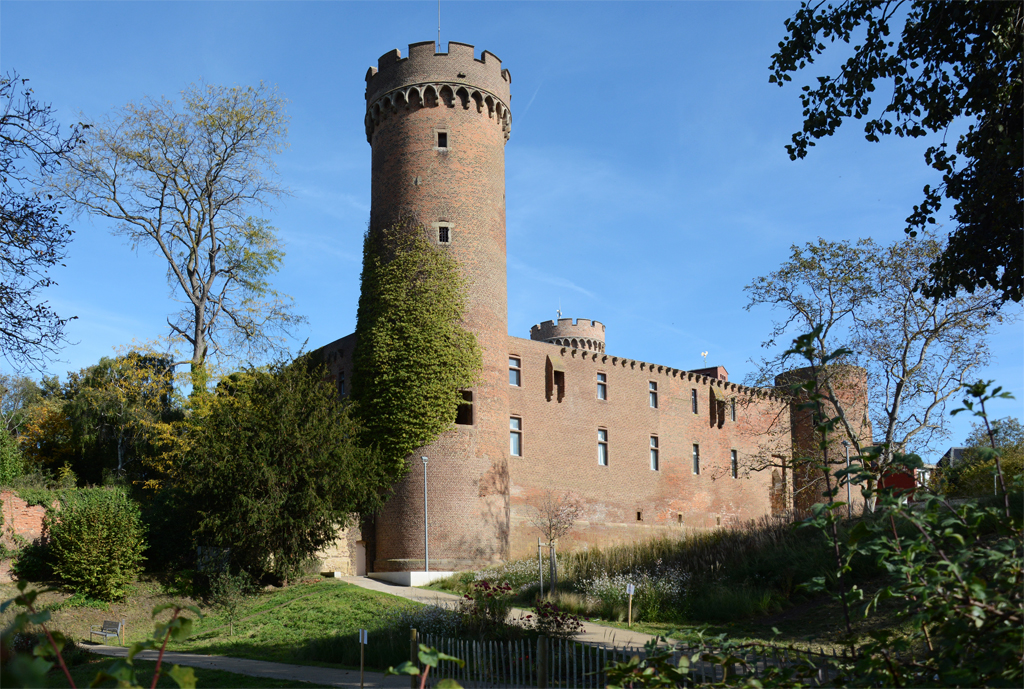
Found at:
<point>707,576</point>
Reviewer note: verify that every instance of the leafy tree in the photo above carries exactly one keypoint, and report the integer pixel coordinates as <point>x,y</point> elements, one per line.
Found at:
<point>273,468</point>
<point>115,416</point>
<point>17,394</point>
<point>12,464</point>
<point>124,403</point>
<point>412,357</point>
<point>972,476</point>
<point>182,180</point>
<point>954,62</point>
<point>33,239</point>
<point>917,352</point>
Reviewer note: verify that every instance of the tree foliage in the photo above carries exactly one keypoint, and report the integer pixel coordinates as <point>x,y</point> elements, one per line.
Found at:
<point>865,297</point>
<point>413,355</point>
<point>182,181</point>
<point>17,395</point>
<point>954,64</point>
<point>273,468</point>
<point>114,418</point>
<point>33,237</point>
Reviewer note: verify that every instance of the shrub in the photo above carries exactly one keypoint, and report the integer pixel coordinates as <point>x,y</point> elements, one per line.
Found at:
<point>96,542</point>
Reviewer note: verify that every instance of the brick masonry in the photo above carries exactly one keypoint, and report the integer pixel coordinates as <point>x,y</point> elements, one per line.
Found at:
<point>481,500</point>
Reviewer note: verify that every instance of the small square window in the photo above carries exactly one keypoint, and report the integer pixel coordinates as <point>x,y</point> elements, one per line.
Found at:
<point>515,372</point>
<point>734,463</point>
<point>515,436</point>
<point>696,459</point>
<point>654,453</point>
<point>442,139</point>
<point>652,394</point>
<point>442,234</point>
<point>602,386</point>
<point>693,399</point>
<point>602,447</point>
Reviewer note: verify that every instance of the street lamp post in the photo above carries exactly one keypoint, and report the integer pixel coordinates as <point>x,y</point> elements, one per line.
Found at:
<point>849,505</point>
<point>426,541</point>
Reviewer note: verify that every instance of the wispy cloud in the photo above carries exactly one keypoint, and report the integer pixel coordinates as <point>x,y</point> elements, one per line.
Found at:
<point>539,276</point>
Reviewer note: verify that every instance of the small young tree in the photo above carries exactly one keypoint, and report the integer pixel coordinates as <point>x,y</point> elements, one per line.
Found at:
<point>556,515</point>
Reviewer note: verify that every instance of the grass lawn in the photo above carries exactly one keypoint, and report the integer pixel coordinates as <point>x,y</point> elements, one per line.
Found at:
<point>272,625</point>
<point>270,630</point>
<point>208,679</point>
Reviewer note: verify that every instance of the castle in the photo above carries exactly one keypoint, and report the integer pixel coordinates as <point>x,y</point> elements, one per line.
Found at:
<point>648,448</point>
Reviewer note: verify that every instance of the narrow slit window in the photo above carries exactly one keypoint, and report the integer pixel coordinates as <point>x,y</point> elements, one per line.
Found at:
<point>602,386</point>
<point>733,407</point>
<point>696,459</point>
<point>515,372</point>
<point>515,436</point>
<point>693,399</point>
<point>559,381</point>
<point>442,139</point>
<point>341,383</point>
<point>464,414</point>
<point>639,515</point>
<point>734,464</point>
<point>654,453</point>
<point>652,394</point>
<point>602,447</point>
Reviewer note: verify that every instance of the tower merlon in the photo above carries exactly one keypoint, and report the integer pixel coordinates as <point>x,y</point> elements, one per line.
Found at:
<point>423,65</point>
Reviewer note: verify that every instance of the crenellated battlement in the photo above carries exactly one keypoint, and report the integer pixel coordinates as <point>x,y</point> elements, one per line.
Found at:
<point>428,79</point>
<point>582,333</point>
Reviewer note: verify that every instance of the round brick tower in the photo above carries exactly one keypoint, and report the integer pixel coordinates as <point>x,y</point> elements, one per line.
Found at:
<point>850,384</point>
<point>437,124</point>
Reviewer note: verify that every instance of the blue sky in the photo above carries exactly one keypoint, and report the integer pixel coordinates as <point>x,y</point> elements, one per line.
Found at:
<point>647,181</point>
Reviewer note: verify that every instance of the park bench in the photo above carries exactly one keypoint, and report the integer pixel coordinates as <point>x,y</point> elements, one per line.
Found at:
<point>108,629</point>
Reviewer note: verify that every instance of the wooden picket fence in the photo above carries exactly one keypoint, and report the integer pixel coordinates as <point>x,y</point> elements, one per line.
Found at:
<point>568,664</point>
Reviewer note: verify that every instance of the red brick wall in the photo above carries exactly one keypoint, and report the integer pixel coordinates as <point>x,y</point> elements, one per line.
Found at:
<point>560,448</point>
<point>20,518</point>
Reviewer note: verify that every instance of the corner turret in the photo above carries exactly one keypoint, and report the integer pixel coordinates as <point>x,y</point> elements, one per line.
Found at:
<point>581,334</point>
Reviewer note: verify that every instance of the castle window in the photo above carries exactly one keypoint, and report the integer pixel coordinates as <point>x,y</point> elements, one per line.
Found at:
<point>515,436</point>
<point>559,381</point>
<point>696,459</point>
<point>639,515</point>
<point>693,399</point>
<point>654,453</point>
<point>464,415</point>
<point>602,447</point>
<point>602,386</point>
<point>734,467</point>
<point>341,383</point>
<point>442,140</point>
<point>733,409</point>
<point>515,372</point>
<point>652,394</point>
<point>444,232</point>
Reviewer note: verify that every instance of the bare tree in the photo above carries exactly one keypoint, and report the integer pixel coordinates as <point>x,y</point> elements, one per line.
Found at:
<point>917,351</point>
<point>556,515</point>
<point>33,238</point>
<point>183,182</point>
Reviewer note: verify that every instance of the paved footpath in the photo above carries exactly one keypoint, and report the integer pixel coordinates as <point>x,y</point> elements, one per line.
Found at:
<point>333,677</point>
